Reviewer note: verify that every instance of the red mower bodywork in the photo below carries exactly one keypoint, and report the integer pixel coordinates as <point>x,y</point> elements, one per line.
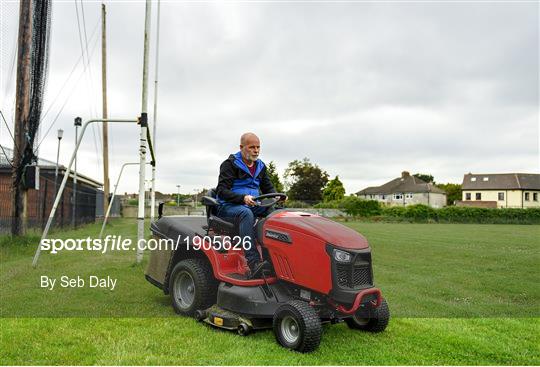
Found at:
<point>319,266</point>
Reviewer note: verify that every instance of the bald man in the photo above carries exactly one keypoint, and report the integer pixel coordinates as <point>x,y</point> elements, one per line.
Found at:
<point>241,178</point>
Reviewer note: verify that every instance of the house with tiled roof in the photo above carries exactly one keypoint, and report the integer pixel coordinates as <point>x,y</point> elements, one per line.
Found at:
<point>405,190</point>
<point>501,190</point>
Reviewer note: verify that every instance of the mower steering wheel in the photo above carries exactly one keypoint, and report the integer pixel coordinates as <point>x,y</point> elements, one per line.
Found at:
<point>267,200</point>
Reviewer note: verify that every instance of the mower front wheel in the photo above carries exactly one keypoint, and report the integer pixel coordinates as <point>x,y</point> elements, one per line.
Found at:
<point>192,286</point>
<point>375,324</point>
<point>297,326</point>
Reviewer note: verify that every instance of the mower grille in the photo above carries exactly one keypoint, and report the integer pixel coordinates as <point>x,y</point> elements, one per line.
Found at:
<point>353,276</point>
<point>361,277</point>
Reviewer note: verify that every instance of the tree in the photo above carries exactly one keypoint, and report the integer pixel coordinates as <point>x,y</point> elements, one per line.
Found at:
<point>425,177</point>
<point>305,180</point>
<point>274,177</point>
<point>334,190</point>
<point>453,192</point>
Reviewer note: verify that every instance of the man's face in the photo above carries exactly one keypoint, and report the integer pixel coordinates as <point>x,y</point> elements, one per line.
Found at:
<point>251,149</point>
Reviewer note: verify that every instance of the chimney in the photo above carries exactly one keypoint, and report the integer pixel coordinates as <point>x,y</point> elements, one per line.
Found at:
<point>405,174</point>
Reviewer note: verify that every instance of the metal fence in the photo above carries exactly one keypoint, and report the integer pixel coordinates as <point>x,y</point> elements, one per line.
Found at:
<point>73,210</point>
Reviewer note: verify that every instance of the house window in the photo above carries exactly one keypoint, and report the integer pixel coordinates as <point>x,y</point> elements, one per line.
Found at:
<point>409,195</point>
<point>501,196</point>
<point>527,196</point>
<point>383,197</point>
<point>467,196</point>
<point>535,196</point>
<point>486,179</point>
<point>478,196</point>
<point>398,196</point>
<point>473,179</point>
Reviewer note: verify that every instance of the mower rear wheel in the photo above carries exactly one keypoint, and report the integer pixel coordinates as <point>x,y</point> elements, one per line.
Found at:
<point>192,286</point>
<point>375,324</point>
<point>297,326</point>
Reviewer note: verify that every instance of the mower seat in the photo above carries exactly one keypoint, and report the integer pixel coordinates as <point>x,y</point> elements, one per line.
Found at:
<point>216,224</point>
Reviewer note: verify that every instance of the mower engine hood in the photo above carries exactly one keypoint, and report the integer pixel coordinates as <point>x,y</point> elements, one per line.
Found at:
<point>313,225</point>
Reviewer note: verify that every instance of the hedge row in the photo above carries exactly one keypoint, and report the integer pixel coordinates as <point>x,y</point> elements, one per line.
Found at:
<point>456,214</point>
<point>421,213</point>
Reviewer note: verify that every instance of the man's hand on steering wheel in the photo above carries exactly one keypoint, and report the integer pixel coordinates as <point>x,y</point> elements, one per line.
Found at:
<point>248,200</point>
<point>270,199</point>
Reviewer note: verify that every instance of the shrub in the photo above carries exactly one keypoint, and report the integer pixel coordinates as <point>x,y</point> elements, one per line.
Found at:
<point>296,204</point>
<point>420,212</point>
<point>394,211</point>
<point>332,204</point>
<point>364,208</point>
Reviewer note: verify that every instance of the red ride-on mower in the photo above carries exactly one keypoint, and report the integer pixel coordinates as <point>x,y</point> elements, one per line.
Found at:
<point>321,273</point>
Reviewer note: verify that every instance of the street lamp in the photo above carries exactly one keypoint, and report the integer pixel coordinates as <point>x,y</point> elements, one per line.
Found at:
<point>60,134</point>
<point>178,196</point>
<point>77,123</point>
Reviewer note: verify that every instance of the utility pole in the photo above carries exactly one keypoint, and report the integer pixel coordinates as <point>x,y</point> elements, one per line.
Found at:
<point>144,125</point>
<point>22,114</point>
<point>153,190</point>
<point>105,125</point>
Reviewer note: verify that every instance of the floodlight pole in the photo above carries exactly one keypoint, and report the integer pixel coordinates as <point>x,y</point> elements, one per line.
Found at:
<point>144,126</point>
<point>153,193</point>
<point>113,195</point>
<point>64,181</point>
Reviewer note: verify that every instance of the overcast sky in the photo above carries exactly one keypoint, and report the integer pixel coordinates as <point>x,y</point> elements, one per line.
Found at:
<point>365,90</point>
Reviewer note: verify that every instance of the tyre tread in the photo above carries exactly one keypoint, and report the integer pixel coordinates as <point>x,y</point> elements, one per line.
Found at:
<point>376,324</point>
<point>205,282</point>
<point>311,323</point>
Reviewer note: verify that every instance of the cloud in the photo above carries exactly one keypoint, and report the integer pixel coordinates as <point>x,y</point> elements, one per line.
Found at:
<point>365,90</point>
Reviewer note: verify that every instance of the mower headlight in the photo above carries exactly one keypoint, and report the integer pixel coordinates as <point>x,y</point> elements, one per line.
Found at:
<point>342,256</point>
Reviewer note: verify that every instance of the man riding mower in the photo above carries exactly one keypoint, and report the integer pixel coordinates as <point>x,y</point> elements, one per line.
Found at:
<point>241,177</point>
<point>318,272</point>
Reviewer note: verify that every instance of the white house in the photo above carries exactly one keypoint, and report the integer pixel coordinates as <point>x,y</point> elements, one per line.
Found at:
<point>405,190</point>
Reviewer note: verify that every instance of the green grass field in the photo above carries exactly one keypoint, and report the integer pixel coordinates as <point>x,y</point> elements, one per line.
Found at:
<point>459,294</point>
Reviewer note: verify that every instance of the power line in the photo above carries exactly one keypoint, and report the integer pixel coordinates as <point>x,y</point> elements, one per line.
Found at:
<point>5,155</point>
<point>10,133</point>
<point>70,74</point>
<point>88,60</point>
<point>92,101</point>
<point>14,143</point>
<point>66,101</point>
<point>85,56</point>
<point>98,162</point>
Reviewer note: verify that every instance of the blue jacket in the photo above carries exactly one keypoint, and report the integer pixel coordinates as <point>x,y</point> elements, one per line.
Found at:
<point>235,181</point>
